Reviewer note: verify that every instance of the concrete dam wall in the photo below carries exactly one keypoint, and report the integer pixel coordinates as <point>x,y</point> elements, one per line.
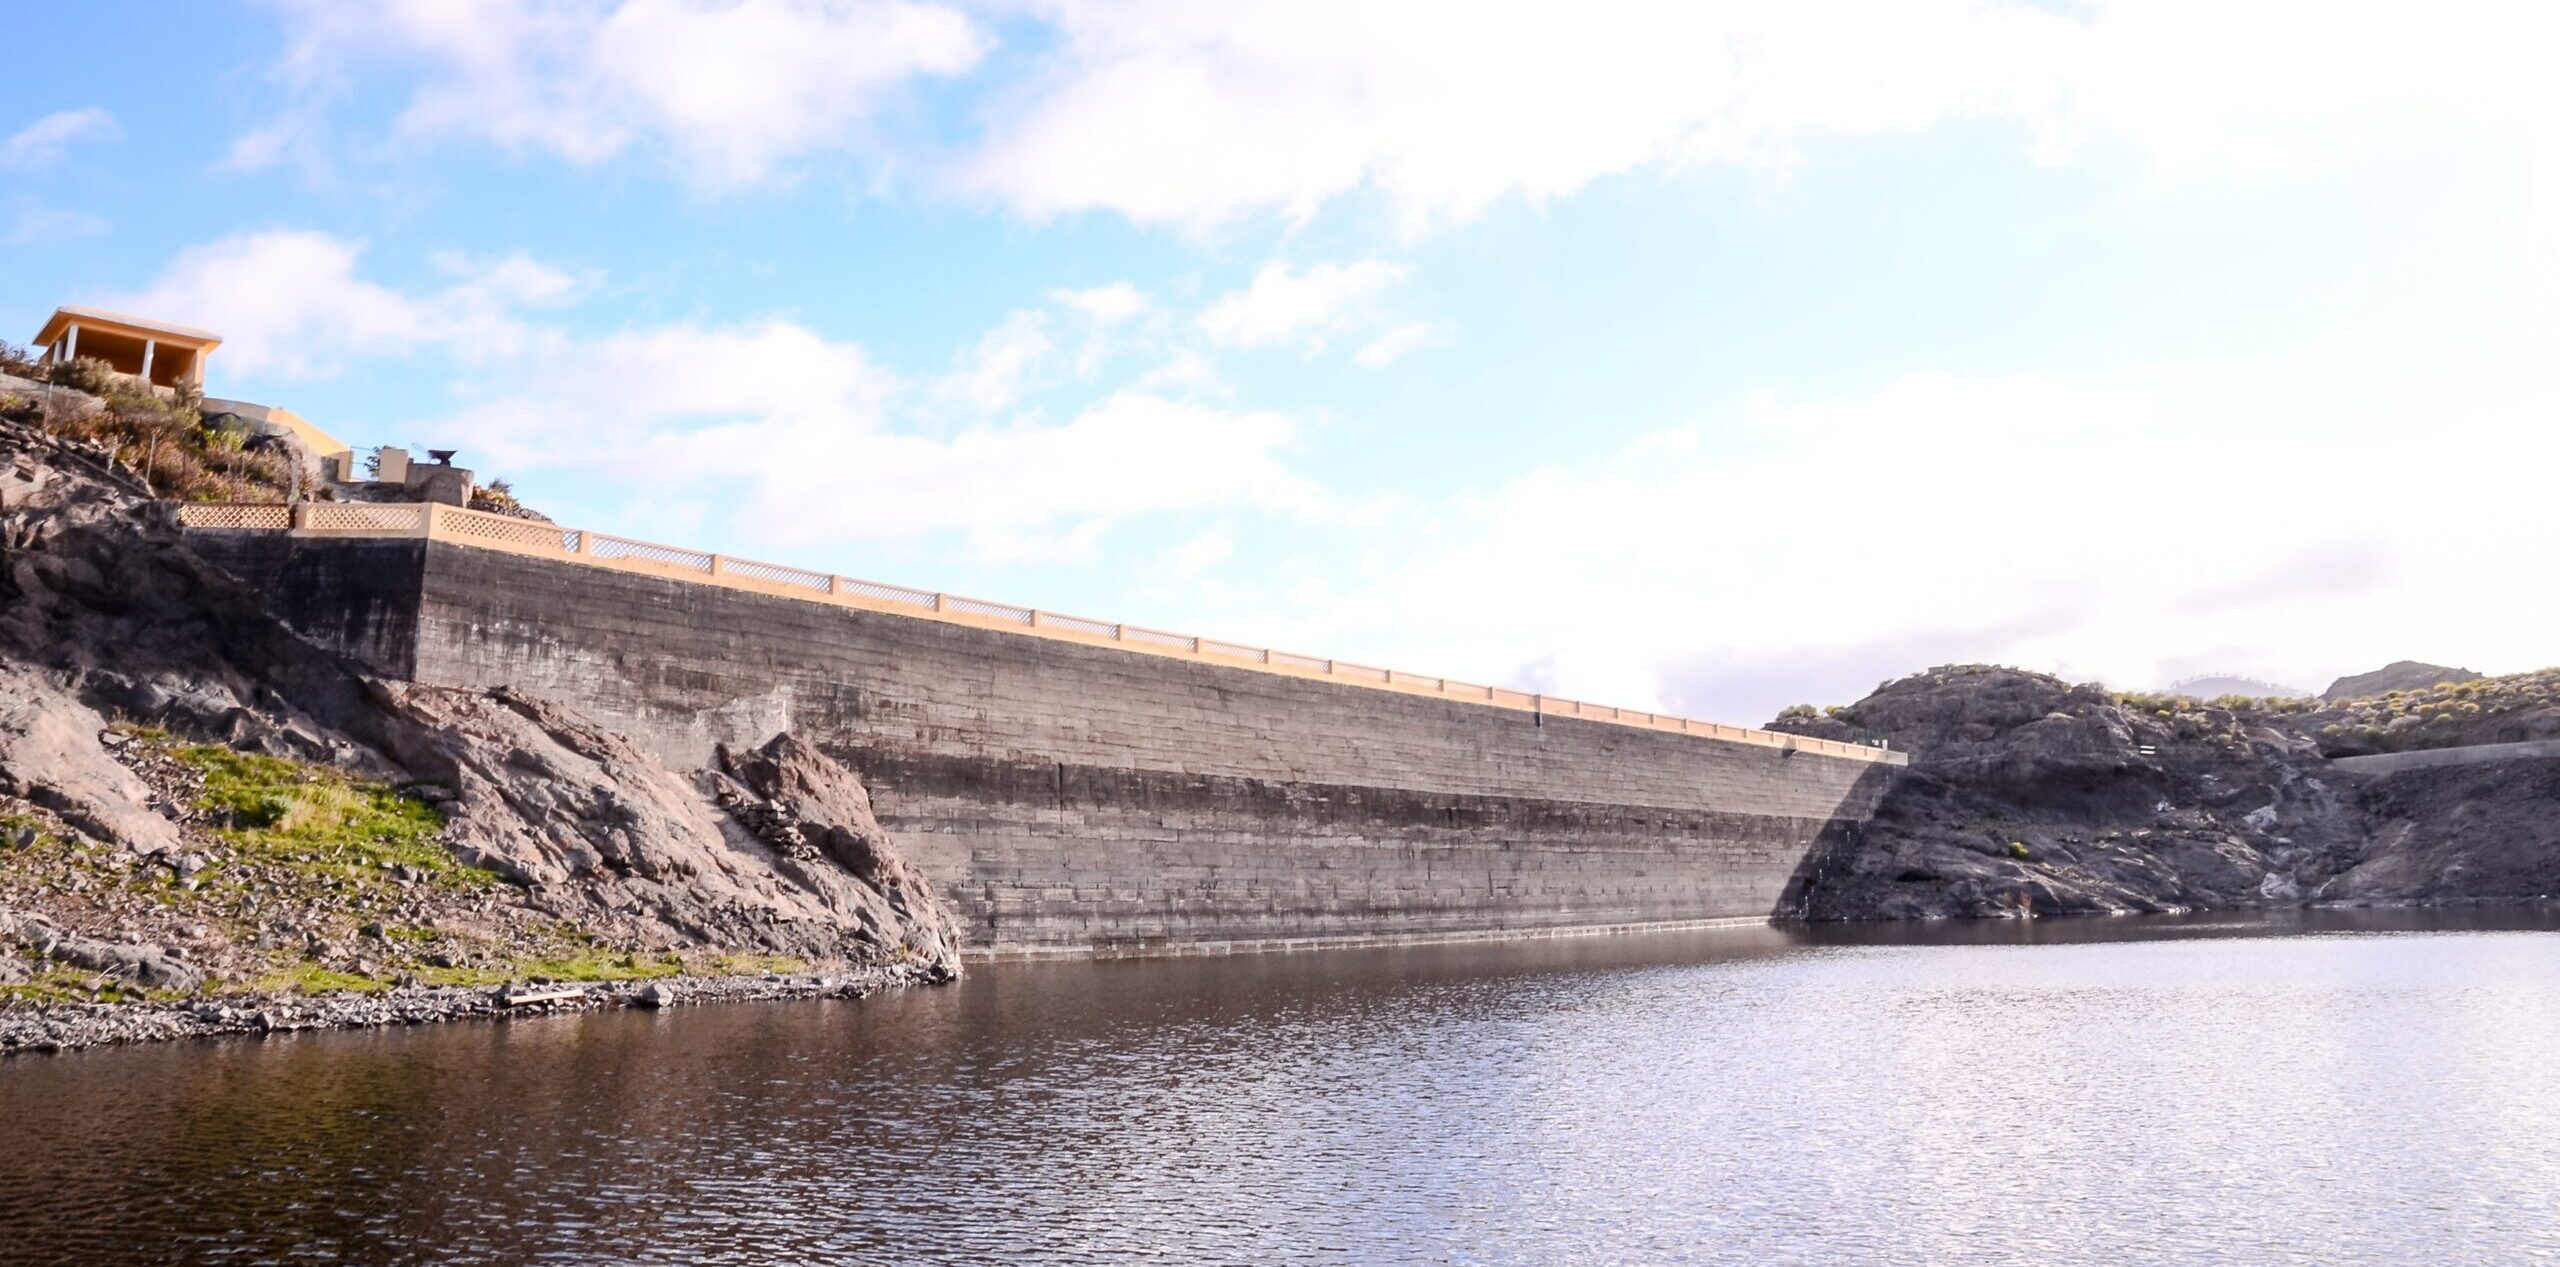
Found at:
<point>1084,799</point>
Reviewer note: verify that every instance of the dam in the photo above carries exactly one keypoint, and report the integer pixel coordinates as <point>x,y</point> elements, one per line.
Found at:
<point>1081,787</point>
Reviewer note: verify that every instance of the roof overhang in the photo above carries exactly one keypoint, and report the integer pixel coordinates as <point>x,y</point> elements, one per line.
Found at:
<point>125,324</point>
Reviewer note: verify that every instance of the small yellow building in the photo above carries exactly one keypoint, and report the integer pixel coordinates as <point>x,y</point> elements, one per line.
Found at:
<point>336,462</point>
<point>156,352</point>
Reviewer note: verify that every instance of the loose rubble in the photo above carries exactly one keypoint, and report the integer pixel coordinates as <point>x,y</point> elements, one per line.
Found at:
<point>66,1027</point>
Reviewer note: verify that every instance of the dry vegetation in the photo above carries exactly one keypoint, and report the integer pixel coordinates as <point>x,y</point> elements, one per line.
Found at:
<point>161,438</point>
<point>2446,713</point>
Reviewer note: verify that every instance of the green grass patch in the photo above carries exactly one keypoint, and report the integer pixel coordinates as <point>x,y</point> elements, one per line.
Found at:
<point>591,965</point>
<point>322,821</point>
<point>56,983</point>
<point>311,978</point>
<point>742,965</point>
<point>582,965</point>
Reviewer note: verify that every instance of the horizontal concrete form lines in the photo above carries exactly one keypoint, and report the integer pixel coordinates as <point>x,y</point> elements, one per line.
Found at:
<point>1071,798</point>
<point>505,533</point>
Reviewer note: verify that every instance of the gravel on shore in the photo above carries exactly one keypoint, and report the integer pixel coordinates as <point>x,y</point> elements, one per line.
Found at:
<point>70,1026</point>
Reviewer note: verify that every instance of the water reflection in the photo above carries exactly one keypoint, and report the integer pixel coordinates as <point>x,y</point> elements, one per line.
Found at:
<point>2367,1088</point>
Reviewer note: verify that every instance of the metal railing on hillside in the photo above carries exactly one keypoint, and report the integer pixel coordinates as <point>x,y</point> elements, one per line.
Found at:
<point>523,536</point>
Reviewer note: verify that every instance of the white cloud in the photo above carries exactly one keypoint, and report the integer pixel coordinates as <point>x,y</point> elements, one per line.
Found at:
<point>1187,370</point>
<point>37,223</point>
<point>805,439</point>
<point>1187,559</point>
<point>1391,346</point>
<point>992,375</point>
<point>1176,112</point>
<point>734,90</point>
<point>44,142</point>
<point>1166,111</point>
<point>1108,305</point>
<point>1115,318</point>
<point>790,439</point>
<point>1283,304</point>
<point>1809,548</point>
<point>290,305</point>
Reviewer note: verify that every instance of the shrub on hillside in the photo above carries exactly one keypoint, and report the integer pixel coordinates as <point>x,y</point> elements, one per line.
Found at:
<point>86,374</point>
<point>164,440</point>
<point>18,362</point>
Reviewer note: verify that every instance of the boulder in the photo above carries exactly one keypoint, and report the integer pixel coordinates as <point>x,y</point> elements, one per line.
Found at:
<point>50,754</point>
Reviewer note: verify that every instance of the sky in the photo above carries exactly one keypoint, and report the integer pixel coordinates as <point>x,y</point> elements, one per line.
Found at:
<point>1694,356</point>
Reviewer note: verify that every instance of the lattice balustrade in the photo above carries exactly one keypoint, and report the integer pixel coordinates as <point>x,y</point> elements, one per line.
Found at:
<point>991,610</point>
<point>388,518</point>
<point>1158,637</point>
<point>883,593</point>
<point>623,548</point>
<point>1236,650</point>
<point>776,574</point>
<point>1296,661</point>
<point>236,515</point>
<point>1080,624</point>
<point>464,525</point>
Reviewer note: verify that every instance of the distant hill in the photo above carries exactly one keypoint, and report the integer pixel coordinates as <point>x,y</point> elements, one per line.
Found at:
<point>2399,675</point>
<point>2217,685</point>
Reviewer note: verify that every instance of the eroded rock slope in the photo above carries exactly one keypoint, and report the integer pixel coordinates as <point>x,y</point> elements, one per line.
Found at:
<point>184,778</point>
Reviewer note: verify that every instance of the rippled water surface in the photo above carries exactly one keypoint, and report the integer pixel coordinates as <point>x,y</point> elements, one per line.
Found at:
<point>2231,1092</point>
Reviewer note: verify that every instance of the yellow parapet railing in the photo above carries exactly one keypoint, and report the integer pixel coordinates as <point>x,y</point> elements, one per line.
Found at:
<point>486,531</point>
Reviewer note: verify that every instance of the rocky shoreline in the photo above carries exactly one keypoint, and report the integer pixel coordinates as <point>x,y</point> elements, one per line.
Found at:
<point>209,825</point>
<point>2031,796</point>
<point>70,1027</point>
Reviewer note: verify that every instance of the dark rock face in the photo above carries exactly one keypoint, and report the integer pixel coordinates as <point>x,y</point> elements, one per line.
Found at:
<point>2486,831</point>
<point>105,612</point>
<point>2031,796</point>
<point>2399,675</point>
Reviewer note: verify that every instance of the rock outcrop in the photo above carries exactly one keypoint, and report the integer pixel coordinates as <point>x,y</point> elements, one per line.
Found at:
<point>110,628</point>
<point>2399,675</point>
<point>2027,795</point>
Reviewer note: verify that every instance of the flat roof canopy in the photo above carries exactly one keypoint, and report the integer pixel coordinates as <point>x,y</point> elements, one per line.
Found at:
<point>70,315</point>
<point>162,353</point>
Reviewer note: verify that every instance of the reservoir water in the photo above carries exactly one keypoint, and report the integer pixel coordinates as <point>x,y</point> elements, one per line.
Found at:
<point>2339,1089</point>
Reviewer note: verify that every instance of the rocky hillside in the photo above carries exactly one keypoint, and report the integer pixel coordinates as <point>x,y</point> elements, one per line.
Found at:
<point>2455,710</point>
<point>2028,795</point>
<point>2399,675</point>
<point>195,803</point>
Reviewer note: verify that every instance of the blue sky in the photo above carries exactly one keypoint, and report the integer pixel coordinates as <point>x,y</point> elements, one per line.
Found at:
<point>1708,357</point>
